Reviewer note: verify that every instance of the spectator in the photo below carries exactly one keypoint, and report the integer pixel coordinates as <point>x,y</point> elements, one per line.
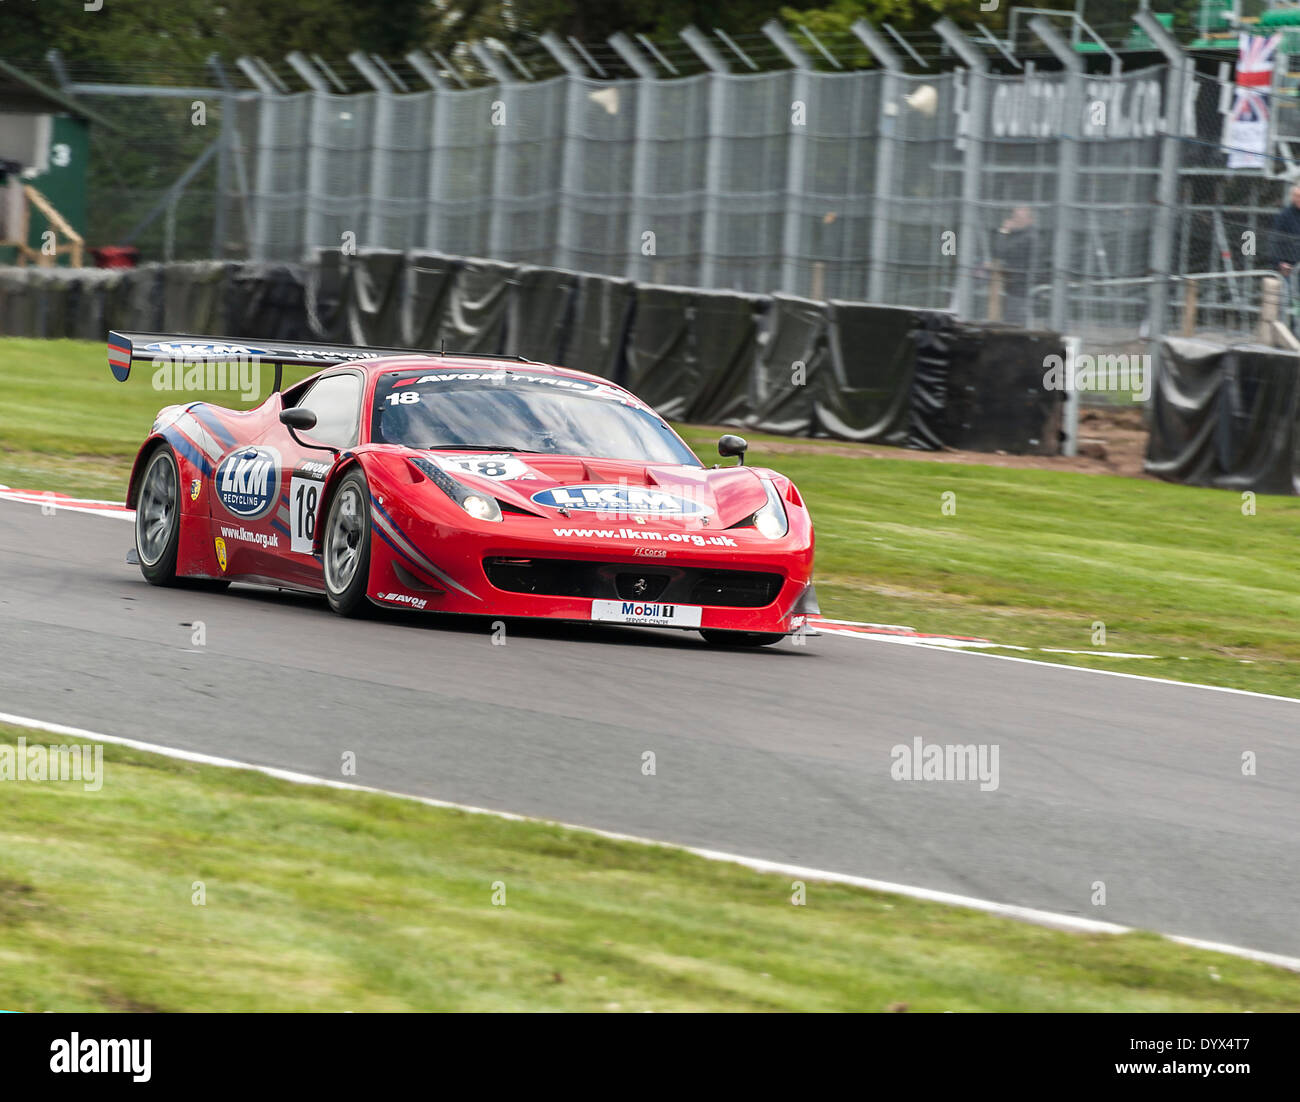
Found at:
<point>1286,235</point>
<point>1016,247</point>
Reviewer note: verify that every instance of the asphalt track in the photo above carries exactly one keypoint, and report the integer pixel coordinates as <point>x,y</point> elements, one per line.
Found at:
<point>783,753</point>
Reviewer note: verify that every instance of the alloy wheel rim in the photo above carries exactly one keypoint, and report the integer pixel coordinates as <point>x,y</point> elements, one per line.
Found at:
<point>155,510</point>
<point>343,540</point>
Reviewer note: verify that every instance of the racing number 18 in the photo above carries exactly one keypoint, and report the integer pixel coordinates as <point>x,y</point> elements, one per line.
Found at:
<point>307,511</point>
<point>304,494</point>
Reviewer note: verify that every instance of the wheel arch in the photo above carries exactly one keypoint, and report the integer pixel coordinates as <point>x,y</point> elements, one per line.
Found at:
<point>152,443</point>
<point>348,462</point>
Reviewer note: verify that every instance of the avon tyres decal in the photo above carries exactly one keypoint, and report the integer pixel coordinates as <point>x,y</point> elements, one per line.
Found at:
<point>247,482</point>
<point>304,505</point>
<point>507,378</point>
<point>620,499</point>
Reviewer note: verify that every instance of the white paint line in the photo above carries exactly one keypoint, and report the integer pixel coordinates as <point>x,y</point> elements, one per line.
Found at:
<point>1102,673</point>
<point>1053,919</point>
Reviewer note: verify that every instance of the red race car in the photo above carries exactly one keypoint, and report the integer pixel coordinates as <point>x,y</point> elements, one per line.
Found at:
<point>451,483</point>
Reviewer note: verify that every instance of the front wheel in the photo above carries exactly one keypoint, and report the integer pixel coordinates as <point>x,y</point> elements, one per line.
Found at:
<point>346,546</point>
<point>740,638</point>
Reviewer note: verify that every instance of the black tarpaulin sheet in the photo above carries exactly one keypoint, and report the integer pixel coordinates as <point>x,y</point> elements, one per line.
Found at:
<point>661,355</point>
<point>1225,417</point>
<point>430,278</point>
<point>790,353</point>
<point>864,392</point>
<point>603,310</point>
<point>54,303</point>
<point>541,313</point>
<point>17,303</point>
<point>139,297</point>
<point>980,388</point>
<point>325,294</point>
<point>85,319</point>
<point>374,298</point>
<point>477,308</point>
<point>725,333</point>
<point>195,297</point>
<point>690,352</point>
<point>267,301</point>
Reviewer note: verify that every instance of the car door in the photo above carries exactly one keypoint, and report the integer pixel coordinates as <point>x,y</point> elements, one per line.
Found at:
<point>268,493</point>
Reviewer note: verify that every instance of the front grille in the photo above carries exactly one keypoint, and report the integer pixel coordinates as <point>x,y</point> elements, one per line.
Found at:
<point>635,586</point>
<point>735,589</point>
<point>628,582</point>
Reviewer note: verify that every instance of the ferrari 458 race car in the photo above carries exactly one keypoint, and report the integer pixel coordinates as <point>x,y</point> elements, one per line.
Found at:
<point>454,483</point>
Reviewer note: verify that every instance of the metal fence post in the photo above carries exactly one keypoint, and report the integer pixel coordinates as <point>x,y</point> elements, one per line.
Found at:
<point>796,159</point>
<point>1162,240</point>
<point>224,157</point>
<point>381,144</point>
<point>572,147</point>
<point>647,105</point>
<point>317,151</point>
<point>259,232</point>
<point>972,161</point>
<point>502,162</point>
<point>1067,165</point>
<point>890,93</point>
<point>715,152</point>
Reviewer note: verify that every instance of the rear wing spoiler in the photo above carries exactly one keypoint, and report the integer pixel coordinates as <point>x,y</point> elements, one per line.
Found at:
<point>126,349</point>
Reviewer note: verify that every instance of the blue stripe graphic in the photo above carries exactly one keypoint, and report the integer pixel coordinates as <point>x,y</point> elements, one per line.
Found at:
<point>183,447</point>
<point>209,421</point>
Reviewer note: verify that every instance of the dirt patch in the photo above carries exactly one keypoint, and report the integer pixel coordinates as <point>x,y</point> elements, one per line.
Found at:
<point>1111,441</point>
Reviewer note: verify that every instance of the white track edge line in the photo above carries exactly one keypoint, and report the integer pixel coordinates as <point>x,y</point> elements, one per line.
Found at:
<point>1089,669</point>
<point>1052,919</point>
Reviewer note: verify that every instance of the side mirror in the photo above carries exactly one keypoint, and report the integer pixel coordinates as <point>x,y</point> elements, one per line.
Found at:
<point>298,418</point>
<point>729,445</point>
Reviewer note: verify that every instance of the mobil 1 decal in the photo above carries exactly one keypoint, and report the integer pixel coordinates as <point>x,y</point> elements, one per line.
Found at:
<point>304,505</point>
<point>247,481</point>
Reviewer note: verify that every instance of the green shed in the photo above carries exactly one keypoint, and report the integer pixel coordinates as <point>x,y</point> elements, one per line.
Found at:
<point>44,153</point>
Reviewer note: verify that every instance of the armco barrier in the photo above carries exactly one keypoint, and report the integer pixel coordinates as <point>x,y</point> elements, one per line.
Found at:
<point>773,363</point>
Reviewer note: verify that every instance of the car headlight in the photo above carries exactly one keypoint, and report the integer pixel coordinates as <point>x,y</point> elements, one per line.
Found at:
<point>477,505</point>
<point>483,508</point>
<point>771,520</point>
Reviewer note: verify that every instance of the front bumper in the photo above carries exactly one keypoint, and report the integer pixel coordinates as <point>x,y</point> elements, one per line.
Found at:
<point>521,567</point>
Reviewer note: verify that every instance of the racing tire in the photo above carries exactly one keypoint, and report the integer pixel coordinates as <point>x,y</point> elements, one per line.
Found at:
<point>740,638</point>
<point>158,517</point>
<point>345,546</point>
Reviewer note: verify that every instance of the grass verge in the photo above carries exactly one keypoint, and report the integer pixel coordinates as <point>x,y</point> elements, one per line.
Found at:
<point>330,900</point>
<point>1031,558</point>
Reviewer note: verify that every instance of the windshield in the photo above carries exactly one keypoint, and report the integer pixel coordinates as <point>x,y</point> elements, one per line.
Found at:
<point>517,411</point>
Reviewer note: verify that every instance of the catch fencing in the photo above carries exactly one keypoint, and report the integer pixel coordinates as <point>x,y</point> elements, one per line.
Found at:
<point>869,185</point>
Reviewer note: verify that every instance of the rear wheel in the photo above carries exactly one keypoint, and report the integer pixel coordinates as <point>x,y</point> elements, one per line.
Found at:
<point>346,546</point>
<point>158,518</point>
<point>158,524</point>
<point>740,638</point>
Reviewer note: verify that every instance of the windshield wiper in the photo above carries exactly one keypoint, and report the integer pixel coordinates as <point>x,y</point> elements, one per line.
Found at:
<point>482,448</point>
